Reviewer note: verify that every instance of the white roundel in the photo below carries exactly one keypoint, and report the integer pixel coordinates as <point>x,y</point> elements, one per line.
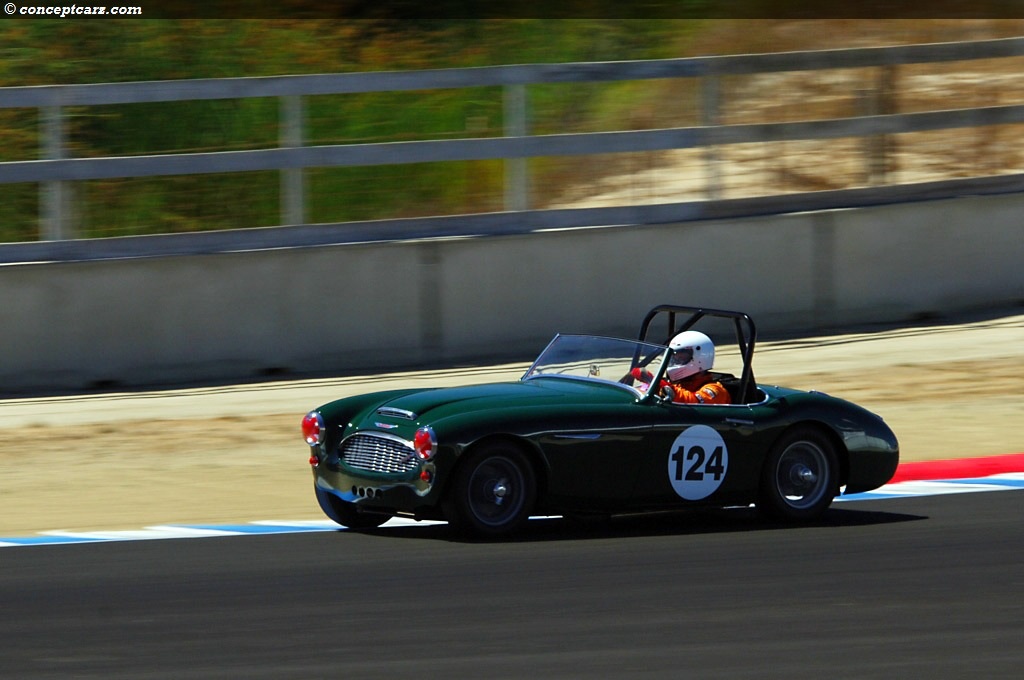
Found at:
<point>697,462</point>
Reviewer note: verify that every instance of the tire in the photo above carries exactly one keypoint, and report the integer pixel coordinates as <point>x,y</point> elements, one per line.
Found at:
<point>347,514</point>
<point>800,476</point>
<point>493,492</point>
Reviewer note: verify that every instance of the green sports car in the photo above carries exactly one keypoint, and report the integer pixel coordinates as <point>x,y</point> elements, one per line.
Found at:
<point>590,429</point>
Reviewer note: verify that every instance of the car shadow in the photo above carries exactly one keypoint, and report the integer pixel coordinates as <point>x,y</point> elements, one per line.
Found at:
<point>679,523</point>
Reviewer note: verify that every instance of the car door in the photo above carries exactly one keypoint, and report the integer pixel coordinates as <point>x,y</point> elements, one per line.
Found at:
<point>697,454</point>
<point>594,461</point>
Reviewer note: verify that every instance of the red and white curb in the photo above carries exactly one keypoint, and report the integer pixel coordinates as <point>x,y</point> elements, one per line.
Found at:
<point>961,475</point>
<point>914,479</point>
<point>908,489</point>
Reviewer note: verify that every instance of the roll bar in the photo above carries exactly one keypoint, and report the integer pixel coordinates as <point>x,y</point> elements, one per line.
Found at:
<point>746,333</point>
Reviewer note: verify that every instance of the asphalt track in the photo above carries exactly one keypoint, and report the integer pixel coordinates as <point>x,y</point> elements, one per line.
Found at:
<point>914,587</point>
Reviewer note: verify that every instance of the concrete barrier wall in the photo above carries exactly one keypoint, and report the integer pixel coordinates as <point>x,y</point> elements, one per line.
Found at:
<point>403,304</point>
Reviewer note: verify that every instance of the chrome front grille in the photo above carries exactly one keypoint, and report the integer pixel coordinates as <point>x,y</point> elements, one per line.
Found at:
<point>378,453</point>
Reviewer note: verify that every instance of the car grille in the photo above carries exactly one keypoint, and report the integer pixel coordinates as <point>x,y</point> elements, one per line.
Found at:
<point>378,454</point>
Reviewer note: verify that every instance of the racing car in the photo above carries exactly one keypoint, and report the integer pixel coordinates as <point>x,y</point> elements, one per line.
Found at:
<point>589,429</point>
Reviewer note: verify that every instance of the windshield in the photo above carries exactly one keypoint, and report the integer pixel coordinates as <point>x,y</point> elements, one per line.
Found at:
<point>608,360</point>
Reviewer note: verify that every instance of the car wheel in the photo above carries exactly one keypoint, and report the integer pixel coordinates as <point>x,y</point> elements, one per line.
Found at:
<point>799,479</point>
<point>346,514</point>
<point>493,493</point>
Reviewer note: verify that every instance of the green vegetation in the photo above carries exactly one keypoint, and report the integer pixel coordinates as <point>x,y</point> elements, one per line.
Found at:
<point>44,52</point>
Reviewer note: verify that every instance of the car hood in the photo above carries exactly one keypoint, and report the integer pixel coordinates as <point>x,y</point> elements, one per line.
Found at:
<point>429,406</point>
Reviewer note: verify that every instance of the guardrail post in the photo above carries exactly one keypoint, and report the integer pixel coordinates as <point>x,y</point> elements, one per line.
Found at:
<point>879,100</point>
<point>293,189</point>
<point>711,104</point>
<point>517,179</point>
<point>55,196</point>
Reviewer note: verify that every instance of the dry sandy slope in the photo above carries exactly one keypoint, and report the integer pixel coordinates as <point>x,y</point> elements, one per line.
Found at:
<point>224,454</point>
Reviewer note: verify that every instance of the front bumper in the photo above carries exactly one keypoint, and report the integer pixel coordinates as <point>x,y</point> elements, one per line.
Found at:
<point>376,470</point>
<point>357,486</point>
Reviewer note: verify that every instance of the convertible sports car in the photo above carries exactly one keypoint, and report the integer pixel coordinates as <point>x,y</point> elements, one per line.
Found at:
<point>579,434</point>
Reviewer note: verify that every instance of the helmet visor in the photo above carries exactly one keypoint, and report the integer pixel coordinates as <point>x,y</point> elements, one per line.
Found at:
<point>682,356</point>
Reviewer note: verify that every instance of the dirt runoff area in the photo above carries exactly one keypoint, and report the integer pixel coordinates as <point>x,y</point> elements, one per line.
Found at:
<point>234,454</point>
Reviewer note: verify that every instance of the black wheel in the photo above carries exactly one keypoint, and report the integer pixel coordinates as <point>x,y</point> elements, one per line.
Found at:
<point>346,514</point>
<point>799,479</point>
<point>493,492</point>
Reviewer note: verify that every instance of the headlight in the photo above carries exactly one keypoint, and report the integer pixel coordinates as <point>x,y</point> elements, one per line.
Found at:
<point>313,428</point>
<point>425,443</point>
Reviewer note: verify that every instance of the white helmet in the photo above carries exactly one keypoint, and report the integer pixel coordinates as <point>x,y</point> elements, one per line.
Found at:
<point>692,352</point>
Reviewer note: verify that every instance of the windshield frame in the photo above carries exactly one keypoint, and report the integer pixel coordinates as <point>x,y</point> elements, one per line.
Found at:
<point>634,353</point>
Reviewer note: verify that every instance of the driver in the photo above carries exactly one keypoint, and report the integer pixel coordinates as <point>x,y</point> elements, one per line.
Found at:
<point>693,354</point>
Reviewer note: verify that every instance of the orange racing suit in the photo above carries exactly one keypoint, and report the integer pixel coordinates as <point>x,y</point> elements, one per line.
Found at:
<point>695,389</point>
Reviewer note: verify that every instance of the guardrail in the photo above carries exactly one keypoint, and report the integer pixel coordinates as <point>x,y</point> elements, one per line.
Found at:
<point>291,157</point>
